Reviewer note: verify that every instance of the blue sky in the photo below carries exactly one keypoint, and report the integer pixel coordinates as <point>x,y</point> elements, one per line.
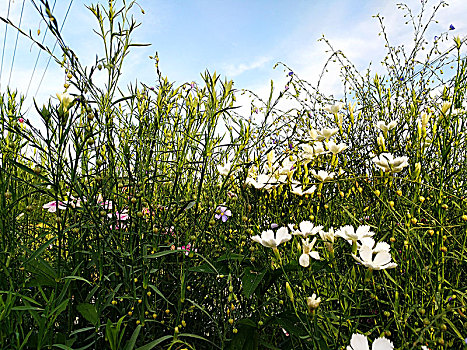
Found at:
<point>241,39</point>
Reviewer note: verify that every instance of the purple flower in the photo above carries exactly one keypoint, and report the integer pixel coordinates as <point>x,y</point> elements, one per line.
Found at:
<point>401,79</point>
<point>274,225</point>
<point>436,38</point>
<point>222,213</point>
<point>256,111</point>
<point>290,74</point>
<point>451,27</point>
<point>286,87</point>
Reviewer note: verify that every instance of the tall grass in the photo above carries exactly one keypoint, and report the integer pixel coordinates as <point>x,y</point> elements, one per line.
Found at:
<point>129,221</point>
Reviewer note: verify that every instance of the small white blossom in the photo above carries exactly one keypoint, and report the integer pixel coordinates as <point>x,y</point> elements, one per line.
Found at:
<point>268,239</point>
<point>307,251</point>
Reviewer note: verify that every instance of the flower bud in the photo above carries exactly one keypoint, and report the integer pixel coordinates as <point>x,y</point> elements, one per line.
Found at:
<point>288,289</point>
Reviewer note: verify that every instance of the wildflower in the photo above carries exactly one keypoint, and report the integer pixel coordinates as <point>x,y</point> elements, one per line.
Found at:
<point>222,213</point>
<point>267,238</point>
<point>290,74</point>
<point>286,88</point>
<point>313,302</point>
<point>231,194</point>
<point>311,151</point>
<point>336,148</point>
<point>224,170</point>
<point>451,27</point>
<point>328,238</point>
<point>445,107</point>
<point>315,136</point>
<point>307,251</point>
<point>65,100</point>
<point>322,175</point>
<point>385,128</point>
<point>121,216</point>
<point>327,133</point>
<point>424,119</point>
<point>298,189</point>
<point>388,163</point>
<point>52,206</point>
<point>381,261</point>
<point>21,120</point>
<point>334,108</point>
<point>287,167</point>
<point>306,229</point>
<point>348,233</point>
<point>360,342</point>
<point>106,204</point>
<point>187,248</point>
<point>73,202</point>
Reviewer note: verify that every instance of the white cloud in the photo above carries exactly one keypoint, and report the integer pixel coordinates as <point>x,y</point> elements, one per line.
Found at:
<point>233,70</point>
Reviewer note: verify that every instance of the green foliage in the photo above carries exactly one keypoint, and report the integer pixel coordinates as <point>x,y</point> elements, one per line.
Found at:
<point>114,213</point>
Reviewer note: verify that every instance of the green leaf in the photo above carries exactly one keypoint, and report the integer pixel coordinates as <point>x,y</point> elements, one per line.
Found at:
<point>30,171</point>
<point>61,346</point>
<point>39,250</point>
<point>77,278</point>
<point>250,280</point>
<point>130,345</point>
<point>152,344</point>
<point>290,322</point>
<point>89,312</point>
<point>231,256</point>
<point>246,338</point>
<point>26,308</point>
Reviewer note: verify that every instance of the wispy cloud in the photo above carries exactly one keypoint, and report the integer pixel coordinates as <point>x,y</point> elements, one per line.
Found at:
<point>233,70</point>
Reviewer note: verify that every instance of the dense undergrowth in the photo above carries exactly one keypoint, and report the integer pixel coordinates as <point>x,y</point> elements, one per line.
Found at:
<point>128,220</point>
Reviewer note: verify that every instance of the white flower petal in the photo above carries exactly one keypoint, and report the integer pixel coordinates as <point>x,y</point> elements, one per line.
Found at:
<point>382,344</point>
<point>304,260</point>
<point>359,342</point>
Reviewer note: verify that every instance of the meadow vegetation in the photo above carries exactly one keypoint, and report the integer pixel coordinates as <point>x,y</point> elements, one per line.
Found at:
<point>129,221</point>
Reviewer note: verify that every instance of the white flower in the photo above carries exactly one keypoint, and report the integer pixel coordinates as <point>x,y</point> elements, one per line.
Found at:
<point>381,261</point>
<point>307,229</point>
<point>265,181</point>
<point>224,170</point>
<point>315,136</point>
<point>287,166</point>
<point>307,251</point>
<point>296,188</point>
<point>380,246</point>
<point>322,175</point>
<point>424,119</point>
<point>72,201</point>
<point>313,302</point>
<point>360,342</point>
<point>348,232</point>
<point>334,108</point>
<point>311,151</point>
<point>329,236</point>
<point>385,128</point>
<point>336,148</point>
<point>388,163</point>
<point>65,100</point>
<point>327,133</point>
<point>267,238</point>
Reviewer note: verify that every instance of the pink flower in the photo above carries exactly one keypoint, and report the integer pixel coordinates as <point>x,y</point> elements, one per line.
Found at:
<point>21,120</point>
<point>120,216</point>
<point>187,248</point>
<point>52,206</point>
